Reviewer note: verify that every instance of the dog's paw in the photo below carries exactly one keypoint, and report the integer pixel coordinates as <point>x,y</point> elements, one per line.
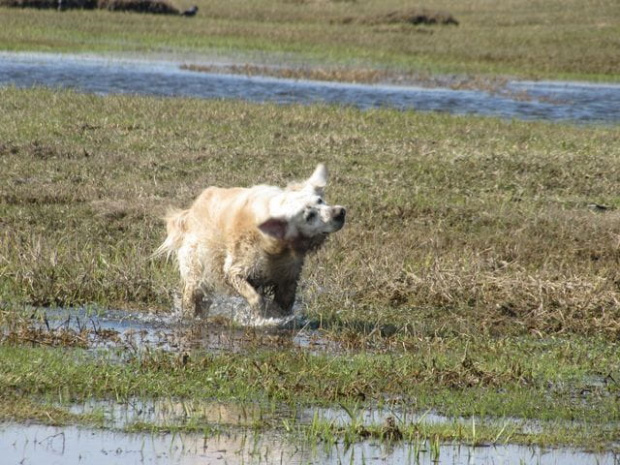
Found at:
<point>273,310</point>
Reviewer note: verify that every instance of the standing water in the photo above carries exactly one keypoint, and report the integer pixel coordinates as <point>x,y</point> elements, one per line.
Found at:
<point>227,432</point>
<point>552,101</point>
<point>34,444</point>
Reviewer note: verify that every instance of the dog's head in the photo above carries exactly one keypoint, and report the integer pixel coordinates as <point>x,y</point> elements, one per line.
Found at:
<point>301,215</point>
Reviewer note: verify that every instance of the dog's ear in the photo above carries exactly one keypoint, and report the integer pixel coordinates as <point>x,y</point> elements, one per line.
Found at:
<point>314,184</point>
<point>275,227</point>
<point>318,180</point>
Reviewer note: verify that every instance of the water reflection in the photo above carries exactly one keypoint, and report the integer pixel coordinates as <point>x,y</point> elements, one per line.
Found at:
<point>575,102</point>
<point>23,444</point>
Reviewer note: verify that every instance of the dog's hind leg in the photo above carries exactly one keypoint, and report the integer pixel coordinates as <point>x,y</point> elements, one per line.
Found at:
<point>191,302</point>
<point>191,274</point>
<point>236,278</point>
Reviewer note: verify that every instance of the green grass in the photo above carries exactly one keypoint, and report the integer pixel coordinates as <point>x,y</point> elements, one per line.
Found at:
<point>522,380</point>
<point>472,279</point>
<point>525,38</point>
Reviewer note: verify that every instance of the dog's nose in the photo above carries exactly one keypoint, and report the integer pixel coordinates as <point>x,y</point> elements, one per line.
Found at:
<point>339,214</point>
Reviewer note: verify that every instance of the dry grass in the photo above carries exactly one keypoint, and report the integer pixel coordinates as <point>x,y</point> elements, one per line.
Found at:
<point>456,224</point>
<point>357,74</point>
<point>313,73</point>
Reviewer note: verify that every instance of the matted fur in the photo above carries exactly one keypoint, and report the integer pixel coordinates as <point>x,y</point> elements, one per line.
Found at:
<point>250,240</point>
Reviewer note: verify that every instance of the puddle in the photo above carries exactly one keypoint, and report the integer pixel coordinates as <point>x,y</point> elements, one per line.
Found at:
<point>552,101</point>
<point>137,331</point>
<point>167,412</point>
<point>32,444</point>
<point>222,416</point>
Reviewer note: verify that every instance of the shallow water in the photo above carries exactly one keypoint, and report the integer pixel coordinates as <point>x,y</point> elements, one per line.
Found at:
<point>552,101</point>
<point>35,444</point>
<point>136,331</point>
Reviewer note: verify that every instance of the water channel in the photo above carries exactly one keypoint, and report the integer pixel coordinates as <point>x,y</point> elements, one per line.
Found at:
<point>527,100</point>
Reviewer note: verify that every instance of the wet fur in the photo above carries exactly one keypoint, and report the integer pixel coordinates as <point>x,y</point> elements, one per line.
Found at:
<point>252,241</point>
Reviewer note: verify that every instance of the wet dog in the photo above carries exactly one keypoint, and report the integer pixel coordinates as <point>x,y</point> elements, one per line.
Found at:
<point>250,240</point>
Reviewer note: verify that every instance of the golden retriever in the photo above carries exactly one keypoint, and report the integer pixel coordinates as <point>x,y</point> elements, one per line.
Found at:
<point>251,240</point>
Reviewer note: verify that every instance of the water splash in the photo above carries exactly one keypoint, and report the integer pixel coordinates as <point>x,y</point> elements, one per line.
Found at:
<point>224,329</point>
<point>237,310</point>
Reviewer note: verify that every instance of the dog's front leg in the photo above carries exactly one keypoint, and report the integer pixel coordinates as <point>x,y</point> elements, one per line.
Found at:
<point>284,296</point>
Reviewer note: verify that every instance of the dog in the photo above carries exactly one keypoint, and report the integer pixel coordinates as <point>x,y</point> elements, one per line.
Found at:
<point>252,241</point>
<point>190,12</point>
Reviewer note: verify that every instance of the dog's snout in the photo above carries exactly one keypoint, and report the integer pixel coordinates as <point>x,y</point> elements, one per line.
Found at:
<point>339,214</point>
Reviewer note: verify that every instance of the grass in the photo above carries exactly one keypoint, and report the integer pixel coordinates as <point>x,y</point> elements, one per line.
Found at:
<point>524,38</point>
<point>472,279</point>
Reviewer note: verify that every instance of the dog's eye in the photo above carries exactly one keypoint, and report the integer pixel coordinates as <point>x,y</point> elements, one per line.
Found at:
<point>320,201</point>
<point>310,216</point>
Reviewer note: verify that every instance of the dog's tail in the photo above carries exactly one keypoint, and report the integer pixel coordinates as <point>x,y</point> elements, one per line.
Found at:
<point>176,225</point>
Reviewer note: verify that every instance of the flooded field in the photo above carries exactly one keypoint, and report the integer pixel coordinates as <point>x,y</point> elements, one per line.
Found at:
<point>169,431</point>
<point>552,101</point>
<point>106,385</point>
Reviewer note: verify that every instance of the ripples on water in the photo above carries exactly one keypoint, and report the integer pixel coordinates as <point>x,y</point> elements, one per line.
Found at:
<point>553,101</point>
